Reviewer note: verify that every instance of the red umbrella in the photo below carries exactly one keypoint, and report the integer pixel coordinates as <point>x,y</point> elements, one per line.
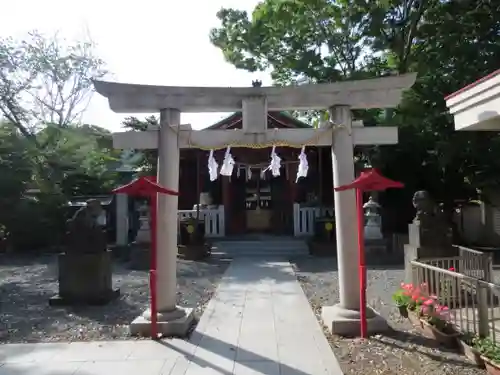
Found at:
<point>143,187</point>
<point>371,180</point>
<point>148,188</point>
<point>368,180</point>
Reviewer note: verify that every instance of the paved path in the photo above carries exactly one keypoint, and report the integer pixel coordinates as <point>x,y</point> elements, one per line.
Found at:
<point>259,323</point>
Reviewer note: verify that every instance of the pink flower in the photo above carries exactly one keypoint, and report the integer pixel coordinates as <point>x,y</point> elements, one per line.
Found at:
<point>452,269</point>
<point>429,302</point>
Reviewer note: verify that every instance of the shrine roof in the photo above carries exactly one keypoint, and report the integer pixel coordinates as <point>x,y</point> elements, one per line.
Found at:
<point>280,119</point>
<point>473,84</point>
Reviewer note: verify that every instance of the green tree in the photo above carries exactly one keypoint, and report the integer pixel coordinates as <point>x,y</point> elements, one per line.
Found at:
<point>146,159</point>
<point>82,158</point>
<point>45,80</point>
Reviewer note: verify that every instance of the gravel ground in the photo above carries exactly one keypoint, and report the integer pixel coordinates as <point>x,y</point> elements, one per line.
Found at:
<point>402,351</point>
<point>27,284</point>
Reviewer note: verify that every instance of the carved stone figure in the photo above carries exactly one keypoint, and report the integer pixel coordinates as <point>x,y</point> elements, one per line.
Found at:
<point>429,231</point>
<point>85,270</point>
<point>85,234</point>
<point>424,205</point>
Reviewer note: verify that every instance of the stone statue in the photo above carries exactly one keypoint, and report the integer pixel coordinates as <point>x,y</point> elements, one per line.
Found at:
<point>429,230</point>
<point>85,231</point>
<point>424,205</point>
<point>85,269</point>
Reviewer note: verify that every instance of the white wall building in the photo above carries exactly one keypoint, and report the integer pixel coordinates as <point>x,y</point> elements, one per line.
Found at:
<point>477,106</point>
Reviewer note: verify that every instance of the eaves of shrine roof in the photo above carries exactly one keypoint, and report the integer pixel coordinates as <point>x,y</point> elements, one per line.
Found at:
<point>280,119</point>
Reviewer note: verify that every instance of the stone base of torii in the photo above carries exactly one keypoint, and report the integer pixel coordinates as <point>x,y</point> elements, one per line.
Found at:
<point>342,134</point>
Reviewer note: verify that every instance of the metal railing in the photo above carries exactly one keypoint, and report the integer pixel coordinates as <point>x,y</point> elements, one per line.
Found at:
<point>476,264</point>
<point>473,303</point>
<point>470,262</point>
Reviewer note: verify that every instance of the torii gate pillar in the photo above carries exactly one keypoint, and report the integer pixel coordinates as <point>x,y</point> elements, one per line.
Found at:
<point>345,318</point>
<point>172,320</point>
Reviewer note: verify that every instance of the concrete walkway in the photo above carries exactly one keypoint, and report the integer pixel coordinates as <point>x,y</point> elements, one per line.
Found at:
<point>259,322</point>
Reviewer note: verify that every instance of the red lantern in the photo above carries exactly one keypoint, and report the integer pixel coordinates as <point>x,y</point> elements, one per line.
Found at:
<point>148,188</point>
<point>369,180</point>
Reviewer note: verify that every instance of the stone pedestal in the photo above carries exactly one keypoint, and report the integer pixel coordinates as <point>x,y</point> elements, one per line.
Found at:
<point>85,279</point>
<point>174,323</point>
<point>347,322</point>
<point>375,251</point>
<point>429,235</point>
<point>140,256</point>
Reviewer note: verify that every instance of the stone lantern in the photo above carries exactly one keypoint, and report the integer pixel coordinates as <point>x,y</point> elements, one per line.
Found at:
<point>144,232</point>
<point>373,220</point>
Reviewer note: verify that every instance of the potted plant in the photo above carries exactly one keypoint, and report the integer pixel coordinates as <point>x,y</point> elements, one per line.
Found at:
<point>402,298</point>
<point>415,300</point>
<point>490,353</point>
<point>436,322</point>
<point>467,343</point>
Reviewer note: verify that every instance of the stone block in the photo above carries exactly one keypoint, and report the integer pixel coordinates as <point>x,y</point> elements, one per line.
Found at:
<point>140,257</point>
<point>177,326</point>
<point>347,323</point>
<point>85,279</point>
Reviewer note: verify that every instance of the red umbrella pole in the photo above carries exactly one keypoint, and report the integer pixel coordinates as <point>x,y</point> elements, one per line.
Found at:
<point>152,272</point>
<point>362,267</point>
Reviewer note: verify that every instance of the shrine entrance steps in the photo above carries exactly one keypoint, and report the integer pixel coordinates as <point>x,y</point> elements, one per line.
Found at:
<point>262,246</point>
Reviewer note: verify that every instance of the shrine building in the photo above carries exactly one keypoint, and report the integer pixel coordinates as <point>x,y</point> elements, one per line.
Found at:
<point>252,200</point>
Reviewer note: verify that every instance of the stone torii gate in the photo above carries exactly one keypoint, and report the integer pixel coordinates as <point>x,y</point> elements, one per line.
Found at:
<point>254,102</point>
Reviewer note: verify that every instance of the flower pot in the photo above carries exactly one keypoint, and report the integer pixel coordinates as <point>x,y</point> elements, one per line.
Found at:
<point>414,318</point>
<point>492,368</point>
<point>471,353</point>
<point>403,310</point>
<point>449,340</point>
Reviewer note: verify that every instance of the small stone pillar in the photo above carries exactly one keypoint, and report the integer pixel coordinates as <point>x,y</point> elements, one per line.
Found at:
<point>122,224</point>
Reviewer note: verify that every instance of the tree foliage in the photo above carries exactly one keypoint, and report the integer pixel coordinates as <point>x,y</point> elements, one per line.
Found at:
<point>46,155</point>
<point>45,81</point>
<point>145,160</point>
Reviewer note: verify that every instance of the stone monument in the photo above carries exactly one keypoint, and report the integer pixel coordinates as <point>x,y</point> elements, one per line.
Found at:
<point>85,268</point>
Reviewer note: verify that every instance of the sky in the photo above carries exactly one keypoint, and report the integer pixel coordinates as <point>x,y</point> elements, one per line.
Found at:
<point>147,41</point>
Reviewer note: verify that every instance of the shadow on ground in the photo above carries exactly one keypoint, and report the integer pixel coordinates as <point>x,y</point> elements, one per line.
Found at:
<point>27,284</point>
